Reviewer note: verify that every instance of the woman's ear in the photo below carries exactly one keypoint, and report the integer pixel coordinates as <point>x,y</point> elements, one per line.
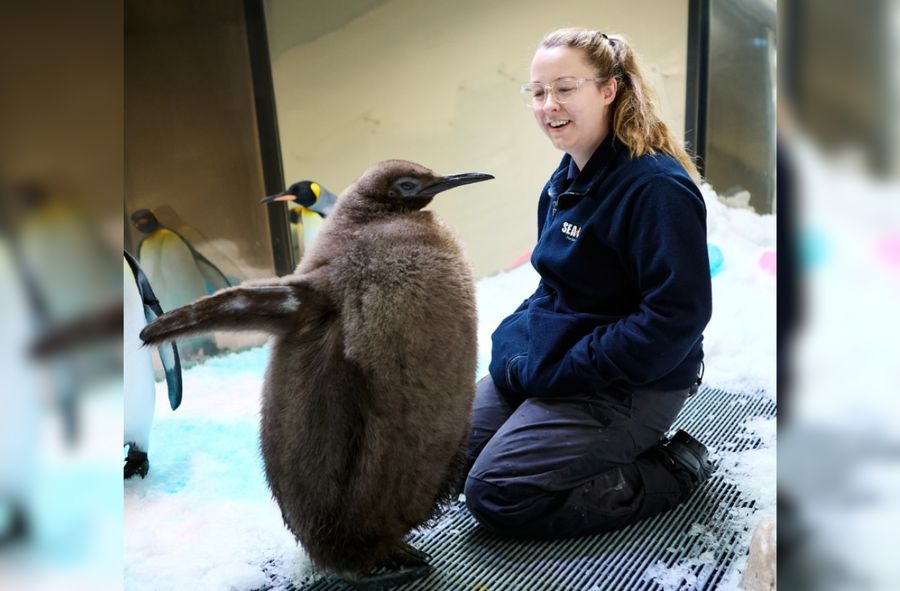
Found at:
<point>608,91</point>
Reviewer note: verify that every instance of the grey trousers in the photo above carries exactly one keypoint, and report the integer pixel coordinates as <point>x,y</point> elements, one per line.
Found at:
<point>563,467</point>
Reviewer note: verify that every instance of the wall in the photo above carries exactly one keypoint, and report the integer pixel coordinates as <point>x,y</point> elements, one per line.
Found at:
<point>437,83</point>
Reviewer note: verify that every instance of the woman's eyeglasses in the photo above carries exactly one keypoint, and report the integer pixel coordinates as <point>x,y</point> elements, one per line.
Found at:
<point>534,94</point>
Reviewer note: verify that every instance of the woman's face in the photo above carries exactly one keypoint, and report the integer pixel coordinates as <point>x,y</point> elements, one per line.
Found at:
<point>578,125</point>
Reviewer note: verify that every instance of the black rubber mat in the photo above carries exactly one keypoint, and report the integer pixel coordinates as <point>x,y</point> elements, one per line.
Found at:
<point>703,536</point>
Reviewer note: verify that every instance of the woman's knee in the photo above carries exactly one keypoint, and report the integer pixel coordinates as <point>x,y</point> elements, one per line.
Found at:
<point>487,503</point>
<point>506,509</point>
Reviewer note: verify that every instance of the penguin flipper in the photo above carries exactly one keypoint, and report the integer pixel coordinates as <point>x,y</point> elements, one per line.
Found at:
<point>171,363</point>
<point>168,354</point>
<point>275,309</point>
<point>210,272</point>
<point>207,268</point>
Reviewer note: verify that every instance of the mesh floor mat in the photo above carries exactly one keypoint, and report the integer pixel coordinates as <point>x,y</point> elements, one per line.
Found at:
<point>703,536</point>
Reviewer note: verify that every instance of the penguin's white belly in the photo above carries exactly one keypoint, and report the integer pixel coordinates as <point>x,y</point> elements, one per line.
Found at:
<point>140,387</point>
<point>312,223</point>
<point>19,397</point>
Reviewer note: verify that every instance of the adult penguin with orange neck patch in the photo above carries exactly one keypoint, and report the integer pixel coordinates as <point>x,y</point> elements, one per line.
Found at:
<point>368,392</point>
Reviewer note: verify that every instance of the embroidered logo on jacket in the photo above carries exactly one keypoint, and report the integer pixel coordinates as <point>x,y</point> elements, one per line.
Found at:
<point>570,230</point>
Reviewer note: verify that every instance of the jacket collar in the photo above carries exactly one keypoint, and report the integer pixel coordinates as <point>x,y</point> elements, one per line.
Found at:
<point>561,180</point>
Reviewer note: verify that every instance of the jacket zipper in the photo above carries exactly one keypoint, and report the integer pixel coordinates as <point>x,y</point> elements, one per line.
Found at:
<point>556,199</point>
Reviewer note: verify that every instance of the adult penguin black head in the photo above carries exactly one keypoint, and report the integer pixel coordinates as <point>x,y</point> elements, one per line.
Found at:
<point>395,185</point>
<point>32,195</point>
<point>145,221</point>
<point>308,194</point>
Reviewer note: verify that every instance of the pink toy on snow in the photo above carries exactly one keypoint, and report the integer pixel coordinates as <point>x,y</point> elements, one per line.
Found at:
<point>888,248</point>
<point>768,262</point>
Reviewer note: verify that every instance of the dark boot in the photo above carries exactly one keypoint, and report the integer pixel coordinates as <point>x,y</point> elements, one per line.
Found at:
<point>689,455</point>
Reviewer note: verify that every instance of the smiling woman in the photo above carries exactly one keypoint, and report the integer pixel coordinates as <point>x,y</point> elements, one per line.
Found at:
<point>589,373</point>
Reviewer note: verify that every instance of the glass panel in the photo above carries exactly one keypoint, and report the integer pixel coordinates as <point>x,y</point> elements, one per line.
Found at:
<point>740,146</point>
<point>191,154</point>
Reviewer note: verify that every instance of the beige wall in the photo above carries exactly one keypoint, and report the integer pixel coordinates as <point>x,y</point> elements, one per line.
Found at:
<point>437,83</point>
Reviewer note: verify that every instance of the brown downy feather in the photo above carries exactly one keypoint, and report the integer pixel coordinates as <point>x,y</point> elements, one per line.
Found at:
<point>367,396</point>
<point>272,308</point>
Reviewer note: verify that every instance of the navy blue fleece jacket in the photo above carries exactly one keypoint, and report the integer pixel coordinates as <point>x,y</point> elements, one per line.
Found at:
<point>625,287</point>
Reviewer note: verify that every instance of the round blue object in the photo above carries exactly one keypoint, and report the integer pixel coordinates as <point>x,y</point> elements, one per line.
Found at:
<point>814,247</point>
<point>716,259</point>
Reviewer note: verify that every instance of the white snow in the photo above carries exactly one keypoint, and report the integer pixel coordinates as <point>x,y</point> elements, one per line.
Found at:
<point>204,518</point>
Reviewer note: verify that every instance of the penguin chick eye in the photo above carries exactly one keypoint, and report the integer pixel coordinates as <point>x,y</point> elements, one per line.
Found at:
<point>404,187</point>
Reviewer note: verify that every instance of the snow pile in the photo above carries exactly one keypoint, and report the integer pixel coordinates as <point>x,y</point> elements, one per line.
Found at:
<point>743,469</point>
<point>203,518</point>
<point>739,342</point>
<point>497,297</point>
<point>680,576</point>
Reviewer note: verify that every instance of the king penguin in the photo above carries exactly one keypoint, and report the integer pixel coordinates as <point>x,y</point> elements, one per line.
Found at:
<point>310,203</point>
<point>67,268</point>
<point>140,307</point>
<point>179,273</point>
<point>367,397</point>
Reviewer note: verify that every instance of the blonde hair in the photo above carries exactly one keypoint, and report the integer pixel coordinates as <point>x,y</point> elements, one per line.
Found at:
<point>635,120</point>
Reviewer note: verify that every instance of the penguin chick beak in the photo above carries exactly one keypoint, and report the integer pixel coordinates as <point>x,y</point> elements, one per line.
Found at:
<point>278,197</point>
<point>453,180</point>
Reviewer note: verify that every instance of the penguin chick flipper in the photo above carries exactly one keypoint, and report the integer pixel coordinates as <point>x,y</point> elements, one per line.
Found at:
<point>275,309</point>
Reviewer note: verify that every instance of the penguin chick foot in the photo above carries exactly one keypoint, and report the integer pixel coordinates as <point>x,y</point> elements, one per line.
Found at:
<point>385,579</point>
<point>136,463</point>
<point>402,565</point>
<point>402,554</point>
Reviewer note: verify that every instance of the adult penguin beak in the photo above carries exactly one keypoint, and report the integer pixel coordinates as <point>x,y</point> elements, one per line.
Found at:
<point>278,197</point>
<point>453,180</point>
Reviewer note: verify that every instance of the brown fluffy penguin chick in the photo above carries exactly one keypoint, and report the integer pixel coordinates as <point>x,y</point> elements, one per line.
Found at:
<point>368,392</point>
